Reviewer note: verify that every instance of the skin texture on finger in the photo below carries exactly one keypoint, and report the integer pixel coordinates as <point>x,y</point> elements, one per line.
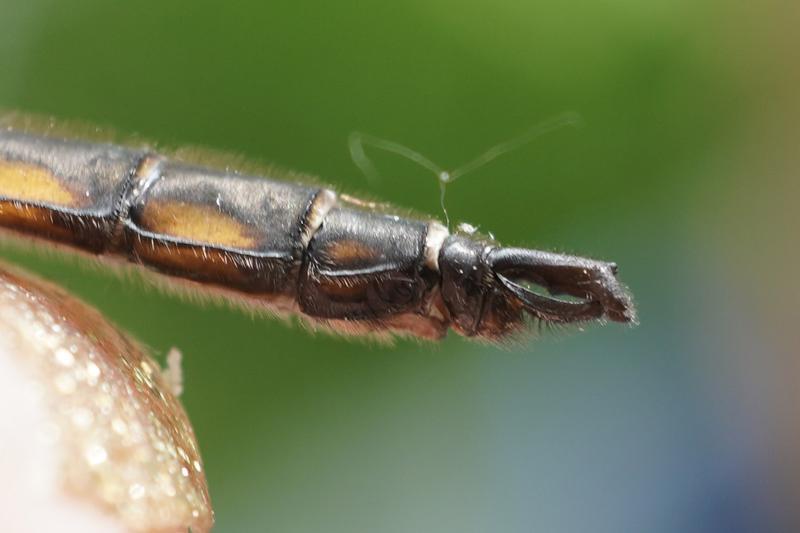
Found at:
<point>91,438</point>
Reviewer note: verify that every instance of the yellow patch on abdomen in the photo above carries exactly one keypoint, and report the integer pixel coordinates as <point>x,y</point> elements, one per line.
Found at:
<point>26,182</point>
<point>197,223</point>
<point>349,252</point>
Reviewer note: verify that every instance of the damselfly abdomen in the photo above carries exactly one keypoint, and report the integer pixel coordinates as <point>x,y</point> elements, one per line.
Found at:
<point>338,262</point>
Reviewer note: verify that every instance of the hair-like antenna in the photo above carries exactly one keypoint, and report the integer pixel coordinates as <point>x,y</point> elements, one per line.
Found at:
<point>358,140</point>
<point>559,121</point>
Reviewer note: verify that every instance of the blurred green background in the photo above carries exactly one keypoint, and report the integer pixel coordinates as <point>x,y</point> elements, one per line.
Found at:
<point>685,173</point>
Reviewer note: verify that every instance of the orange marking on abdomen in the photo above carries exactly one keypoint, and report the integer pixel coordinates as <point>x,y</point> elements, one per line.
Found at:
<point>209,264</point>
<point>348,252</point>
<point>32,220</point>
<point>27,182</point>
<point>198,224</point>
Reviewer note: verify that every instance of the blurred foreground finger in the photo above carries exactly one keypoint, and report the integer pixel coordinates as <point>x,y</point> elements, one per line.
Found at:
<point>91,438</point>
